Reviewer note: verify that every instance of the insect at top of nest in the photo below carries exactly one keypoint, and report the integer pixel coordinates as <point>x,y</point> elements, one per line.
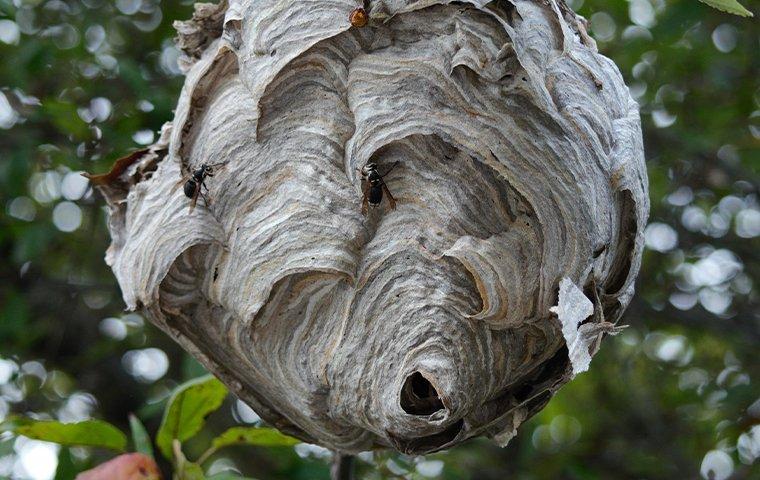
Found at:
<point>374,187</point>
<point>195,182</point>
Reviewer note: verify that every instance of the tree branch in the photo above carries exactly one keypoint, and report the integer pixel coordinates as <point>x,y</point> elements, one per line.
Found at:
<point>342,467</point>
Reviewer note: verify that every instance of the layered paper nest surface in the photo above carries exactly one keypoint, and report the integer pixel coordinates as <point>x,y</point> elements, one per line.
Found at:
<point>521,190</point>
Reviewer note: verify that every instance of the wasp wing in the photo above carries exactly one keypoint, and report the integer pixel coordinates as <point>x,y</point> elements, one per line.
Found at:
<point>391,200</point>
<point>219,164</point>
<point>195,199</point>
<point>181,181</point>
<point>365,197</point>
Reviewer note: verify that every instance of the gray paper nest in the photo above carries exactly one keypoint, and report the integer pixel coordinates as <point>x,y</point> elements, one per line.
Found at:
<point>522,196</point>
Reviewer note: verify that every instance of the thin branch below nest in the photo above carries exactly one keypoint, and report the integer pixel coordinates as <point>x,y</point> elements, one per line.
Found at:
<point>342,467</point>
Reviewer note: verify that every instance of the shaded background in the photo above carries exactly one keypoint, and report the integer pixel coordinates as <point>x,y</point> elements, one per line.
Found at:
<point>675,396</point>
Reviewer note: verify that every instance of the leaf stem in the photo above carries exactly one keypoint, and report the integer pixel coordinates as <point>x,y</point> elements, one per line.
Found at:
<point>179,459</point>
<point>205,455</point>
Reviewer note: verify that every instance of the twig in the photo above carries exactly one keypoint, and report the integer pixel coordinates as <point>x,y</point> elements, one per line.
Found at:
<point>342,467</point>
<point>179,459</point>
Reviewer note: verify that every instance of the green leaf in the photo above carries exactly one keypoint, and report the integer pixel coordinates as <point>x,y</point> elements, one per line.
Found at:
<point>228,476</point>
<point>140,436</point>
<point>187,410</point>
<point>192,471</point>
<point>89,433</point>
<point>729,6</point>
<point>66,469</point>
<point>258,436</point>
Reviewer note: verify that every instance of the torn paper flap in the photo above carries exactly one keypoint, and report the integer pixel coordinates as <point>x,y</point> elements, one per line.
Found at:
<point>574,307</point>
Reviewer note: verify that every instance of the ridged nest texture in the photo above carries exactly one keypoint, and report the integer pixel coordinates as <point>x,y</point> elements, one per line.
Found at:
<point>521,191</point>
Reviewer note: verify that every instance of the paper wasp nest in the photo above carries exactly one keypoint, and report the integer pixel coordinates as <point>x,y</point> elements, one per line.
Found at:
<point>521,191</point>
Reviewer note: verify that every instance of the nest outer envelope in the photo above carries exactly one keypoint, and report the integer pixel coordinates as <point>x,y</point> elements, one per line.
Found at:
<point>521,190</point>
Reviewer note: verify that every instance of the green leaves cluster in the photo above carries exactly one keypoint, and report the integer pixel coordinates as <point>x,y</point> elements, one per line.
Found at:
<point>729,6</point>
<point>89,433</point>
<point>187,410</point>
<point>184,416</point>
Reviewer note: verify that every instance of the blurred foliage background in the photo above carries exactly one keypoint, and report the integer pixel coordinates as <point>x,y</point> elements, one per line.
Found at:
<point>675,396</point>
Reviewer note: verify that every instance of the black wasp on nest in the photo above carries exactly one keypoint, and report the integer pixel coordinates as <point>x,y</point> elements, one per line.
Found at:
<point>374,187</point>
<point>196,182</point>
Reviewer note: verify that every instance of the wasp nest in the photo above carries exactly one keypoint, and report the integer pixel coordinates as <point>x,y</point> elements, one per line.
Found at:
<point>521,196</point>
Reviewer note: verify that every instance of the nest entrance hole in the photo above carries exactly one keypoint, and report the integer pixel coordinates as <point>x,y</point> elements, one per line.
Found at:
<point>419,396</point>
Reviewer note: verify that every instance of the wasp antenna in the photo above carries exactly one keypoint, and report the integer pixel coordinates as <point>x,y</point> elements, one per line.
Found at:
<point>392,167</point>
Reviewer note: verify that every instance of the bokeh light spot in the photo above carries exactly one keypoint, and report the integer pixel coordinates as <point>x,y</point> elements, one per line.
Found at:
<point>716,465</point>
<point>67,216</point>
<point>147,365</point>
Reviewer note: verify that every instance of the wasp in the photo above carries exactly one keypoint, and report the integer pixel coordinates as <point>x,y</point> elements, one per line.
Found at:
<point>358,17</point>
<point>375,187</point>
<point>196,182</point>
